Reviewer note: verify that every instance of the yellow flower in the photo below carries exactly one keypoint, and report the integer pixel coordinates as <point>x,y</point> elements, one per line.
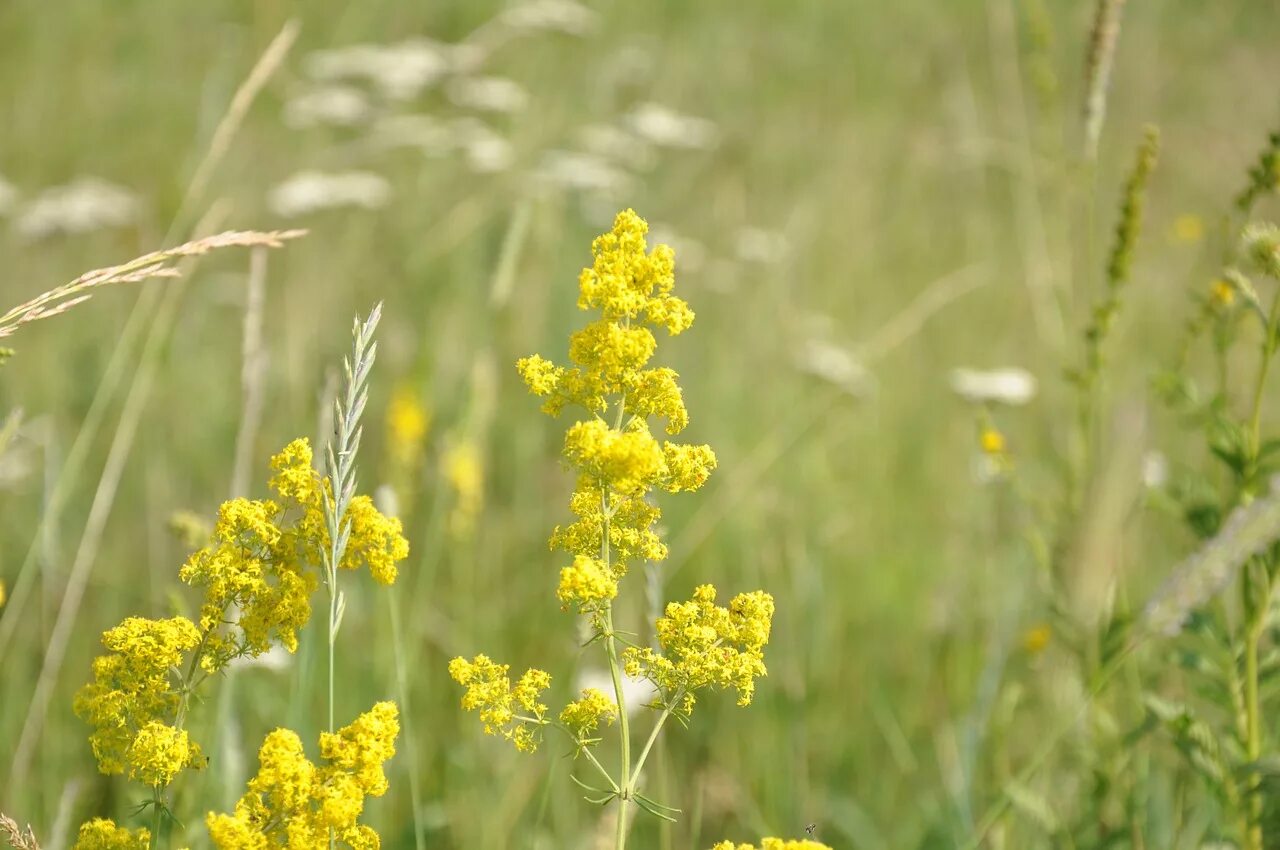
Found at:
<point>688,467</point>
<point>706,645</point>
<point>631,461</point>
<point>586,582</point>
<point>1187,228</point>
<point>291,803</point>
<point>362,747</point>
<point>490,692</point>
<point>408,421</point>
<point>991,441</point>
<point>774,844</point>
<point>464,471</point>
<point>3,597</point>
<point>132,689</point>
<point>1222,293</point>
<point>103,834</point>
<point>158,752</point>
<point>1036,638</point>
<point>583,716</point>
<point>375,540</point>
<point>626,283</point>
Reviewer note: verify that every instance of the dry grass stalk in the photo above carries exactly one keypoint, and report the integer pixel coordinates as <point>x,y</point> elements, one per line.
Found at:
<point>1102,53</point>
<point>16,837</point>
<point>152,265</point>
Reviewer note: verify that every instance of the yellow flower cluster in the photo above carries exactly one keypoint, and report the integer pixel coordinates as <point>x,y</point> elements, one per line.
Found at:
<point>293,803</point>
<point>586,583</point>
<point>262,561</point>
<point>489,691</point>
<point>132,690</point>
<point>264,556</point>
<point>704,644</point>
<point>583,716</point>
<point>103,834</point>
<point>619,464</point>
<point>630,527</point>
<point>774,844</point>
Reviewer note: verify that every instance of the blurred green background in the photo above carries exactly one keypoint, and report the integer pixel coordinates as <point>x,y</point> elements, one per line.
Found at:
<point>862,197</point>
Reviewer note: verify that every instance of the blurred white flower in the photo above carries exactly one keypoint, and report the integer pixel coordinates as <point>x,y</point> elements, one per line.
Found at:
<point>344,106</point>
<point>636,692</point>
<point>834,364</point>
<point>398,71</point>
<point>489,154</point>
<point>666,128</point>
<point>617,144</point>
<point>690,253</point>
<point>276,659</point>
<point>757,245</point>
<point>1155,469</point>
<point>309,191</point>
<point>427,134</point>
<point>581,171</point>
<point>550,15</point>
<point>83,205</point>
<point>485,150</point>
<point>8,197</point>
<point>488,94</point>
<point>1001,386</point>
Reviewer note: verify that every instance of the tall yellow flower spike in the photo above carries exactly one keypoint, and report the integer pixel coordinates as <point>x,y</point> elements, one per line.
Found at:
<point>620,464</point>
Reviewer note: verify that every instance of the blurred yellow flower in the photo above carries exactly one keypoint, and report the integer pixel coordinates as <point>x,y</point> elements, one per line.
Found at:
<point>463,469</point>
<point>1222,293</point>
<point>408,423</point>
<point>991,441</point>
<point>1036,638</point>
<point>1187,228</point>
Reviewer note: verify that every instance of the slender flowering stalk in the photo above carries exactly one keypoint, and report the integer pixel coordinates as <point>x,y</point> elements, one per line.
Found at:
<point>619,463</point>
<point>340,467</point>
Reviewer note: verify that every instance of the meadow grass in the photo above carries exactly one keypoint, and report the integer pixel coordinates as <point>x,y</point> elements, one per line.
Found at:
<point>927,169</point>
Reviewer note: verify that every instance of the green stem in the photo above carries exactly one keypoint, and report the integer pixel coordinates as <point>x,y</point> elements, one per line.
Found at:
<point>624,779</point>
<point>157,814</point>
<point>333,635</point>
<point>591,757</point>
<point>1253,741</point>
<point>653,737</point>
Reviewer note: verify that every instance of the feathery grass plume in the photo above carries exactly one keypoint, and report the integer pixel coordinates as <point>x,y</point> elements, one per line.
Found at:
<point>1264,176</point>
<point>152,265</point>
<point>18,838</point>
<point>1120,261</point>
<point>1247,532</point>
<point>1097,71</point>
<point>340,468</point>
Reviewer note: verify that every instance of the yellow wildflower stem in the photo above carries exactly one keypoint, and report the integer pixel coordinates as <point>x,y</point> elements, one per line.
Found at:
<point>653,737</point>
<point>615,671</point>
<point>624,779</point>
<point>179,720</point>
